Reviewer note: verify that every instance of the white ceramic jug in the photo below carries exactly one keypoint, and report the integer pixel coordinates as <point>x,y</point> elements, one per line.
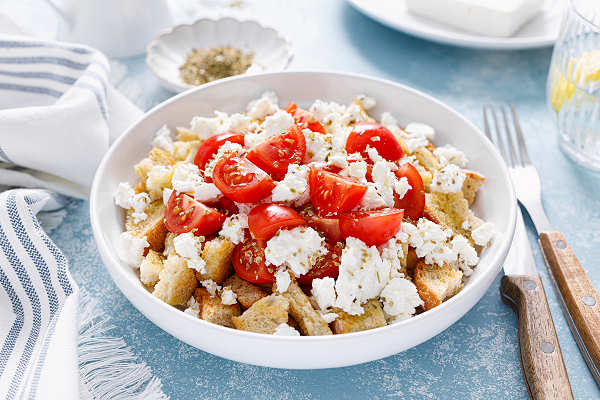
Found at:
<point>118,28</point>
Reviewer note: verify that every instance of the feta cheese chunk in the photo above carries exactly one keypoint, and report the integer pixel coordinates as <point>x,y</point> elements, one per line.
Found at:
<point>162,139</point>
<point>285,330</point>
<point>226,149</point>
<point>207,192</point>
<point>273,125</point>
<point>318,145</point>
<point>186,177</point>
<point>233,228</point>
<point>430,241</point>
<point>365,101</point>
<point>282,280</point>
<point>449,179</point>
<point>328,317</point>
<point>294,185</point>
<point>481,17</point>
<point>211,287</point>
<point>371,200</point>
<point>466,255</point>
<point>193,307</point>
<point>417,128</point>
<point>297,248</point>
<point>400,299</point>
<point>323,290</point>
<point>131,249</point>
<point>126,197</point>
<point>483,234</point>
<point>228,297</point>
<point>188,246</point>
<point>363,274</point>
<point>264,106</point>
<point>449,154</point>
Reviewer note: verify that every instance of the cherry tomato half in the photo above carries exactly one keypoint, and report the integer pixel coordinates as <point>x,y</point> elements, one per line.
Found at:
<point>332,194</point>
<point>210,146</point>
<point>374,135</point>
<point>184,214</point>
<point>329,227</point>
<point>372,227</point>
<point>304,119</point>
<point>327,265</point>
<point>266,219</point>
<point>249,263</point>
<point>413,202</point>
<point>276,153</point>
<point>242,181</point>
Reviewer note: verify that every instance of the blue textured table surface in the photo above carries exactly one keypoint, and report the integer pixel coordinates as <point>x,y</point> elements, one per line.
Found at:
<point>475,358</point>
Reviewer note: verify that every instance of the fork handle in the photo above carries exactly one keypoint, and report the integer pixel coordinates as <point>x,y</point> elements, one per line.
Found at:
<point>579,295</point>
<point>541,359</point>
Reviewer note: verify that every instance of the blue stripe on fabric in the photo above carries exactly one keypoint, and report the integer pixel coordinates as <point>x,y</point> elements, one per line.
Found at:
<point>40,75</point>
<point>35,305</point>
<point>65,62</point>
<point>99,97</point>
<point>11,340</point>
<point>17,44</point>
<point>61,261</point>
<point>30,89</point>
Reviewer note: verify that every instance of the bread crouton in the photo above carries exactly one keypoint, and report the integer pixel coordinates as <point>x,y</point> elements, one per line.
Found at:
<point>185,151</point>
<point>155,157</point>
<point>309,320</point>
<point>427,159</point>
<point>371,318</point>
<point>451,210</point>
<point>213,310</point>
<point>185,134</point>
<point>153,227</point>
<point>436,283</point>
<point>150,268</point>
<point>176,282</point>
<point>471,185</point>
<point>217,255</point>
<point>264,316</point>
<point>247,293</point>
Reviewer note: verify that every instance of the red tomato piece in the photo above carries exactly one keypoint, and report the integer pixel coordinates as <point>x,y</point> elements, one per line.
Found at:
<point>249,263</point>
<point>304,119</point>
<point>242,181</point>
<point>374,135</point>
<point>266,219</point>
<point>276,153</point>
<point>413,202</point>
<point>210,146</point>
<point>184,214</point>
<point>372,227</point>
<point>329,227</point>
<point>332,194</point>
<point>225,205</point>
<point>326,266</point>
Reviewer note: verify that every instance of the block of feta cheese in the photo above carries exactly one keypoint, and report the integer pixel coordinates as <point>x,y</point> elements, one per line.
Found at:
<point>501,18</point>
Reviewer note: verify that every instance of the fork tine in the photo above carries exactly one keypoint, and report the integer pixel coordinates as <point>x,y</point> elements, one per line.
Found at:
<point>486,126</point>
<point>522,145</point>
<point>500,142</point>
<point>509,138</point>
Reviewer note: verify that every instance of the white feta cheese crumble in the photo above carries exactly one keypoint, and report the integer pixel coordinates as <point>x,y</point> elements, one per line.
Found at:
<point>449,179</point>
<point>363,274</point>
<point>159,177</point>
<point>400,299</point>
<point>365,101</point>
<point>162,139</point>
<point>186,177</point>
<point>228,297</point>
<point>466,225</point>
<point>430,241</point>
<point>318,145</point>
<point>356,169</point>
<point>466,256</point>
<point>483,234</point>
<point>126,197</point>
<point>285,330</point>
<point>226,149</point>
<point>328,317</point>
<point>323,290</point>
<point>167,195</point>
<point>204,126</point>
<point>338,160</point>
<point>420,129</point>
<point>293,186</point>
<point>211,287</point>
<point>371,199</point>
<point>374,154</point>
<point>282,280</point>
<point>297,248</point>
<point>188,246</point>
<point>233,228</point>
<point>387,183</point>
<point>193,307</point>
<point>392,252</point>
<point>450,155</point>
<point>266,105</point>
<point>273,125</point>
<point>131,249</point>
<point>401,187</point>
<point>207,192</point>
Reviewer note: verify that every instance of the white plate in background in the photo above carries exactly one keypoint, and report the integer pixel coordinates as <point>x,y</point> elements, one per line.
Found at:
<point>541,31</point>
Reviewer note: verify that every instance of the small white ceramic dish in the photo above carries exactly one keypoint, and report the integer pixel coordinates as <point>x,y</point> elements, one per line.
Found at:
<point>168,51</point>
<point>541,31</point>
<point>495,203</point>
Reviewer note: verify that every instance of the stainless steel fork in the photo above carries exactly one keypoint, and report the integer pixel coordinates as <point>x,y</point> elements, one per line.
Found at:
<point>578,298</point>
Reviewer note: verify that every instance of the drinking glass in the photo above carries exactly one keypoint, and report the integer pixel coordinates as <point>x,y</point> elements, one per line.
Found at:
<point>573,87</point>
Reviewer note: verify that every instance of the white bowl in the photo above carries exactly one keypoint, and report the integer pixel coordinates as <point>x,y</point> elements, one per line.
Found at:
<point>496,203</point>
<point>168,51</point>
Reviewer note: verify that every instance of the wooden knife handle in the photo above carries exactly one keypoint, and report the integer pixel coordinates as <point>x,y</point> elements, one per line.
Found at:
<point>579,295</point>
<point>541,359</point>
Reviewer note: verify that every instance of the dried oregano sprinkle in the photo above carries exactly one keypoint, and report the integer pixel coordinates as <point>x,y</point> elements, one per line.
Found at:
<point>206,65</point>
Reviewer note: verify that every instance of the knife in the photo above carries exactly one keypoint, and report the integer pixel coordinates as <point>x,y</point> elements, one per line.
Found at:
<point>521,288</point>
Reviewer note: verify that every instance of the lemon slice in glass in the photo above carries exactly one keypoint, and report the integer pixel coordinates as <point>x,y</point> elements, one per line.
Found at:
<point>581,72</point>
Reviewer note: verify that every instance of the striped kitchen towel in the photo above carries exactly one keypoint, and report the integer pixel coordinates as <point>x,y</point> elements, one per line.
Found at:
<point>58,114</point>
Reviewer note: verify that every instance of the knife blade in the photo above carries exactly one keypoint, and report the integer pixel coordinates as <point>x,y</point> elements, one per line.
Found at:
<point>521,288</point>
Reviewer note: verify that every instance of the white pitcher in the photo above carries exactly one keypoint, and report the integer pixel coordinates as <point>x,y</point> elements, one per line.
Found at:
<point>118,28</point>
